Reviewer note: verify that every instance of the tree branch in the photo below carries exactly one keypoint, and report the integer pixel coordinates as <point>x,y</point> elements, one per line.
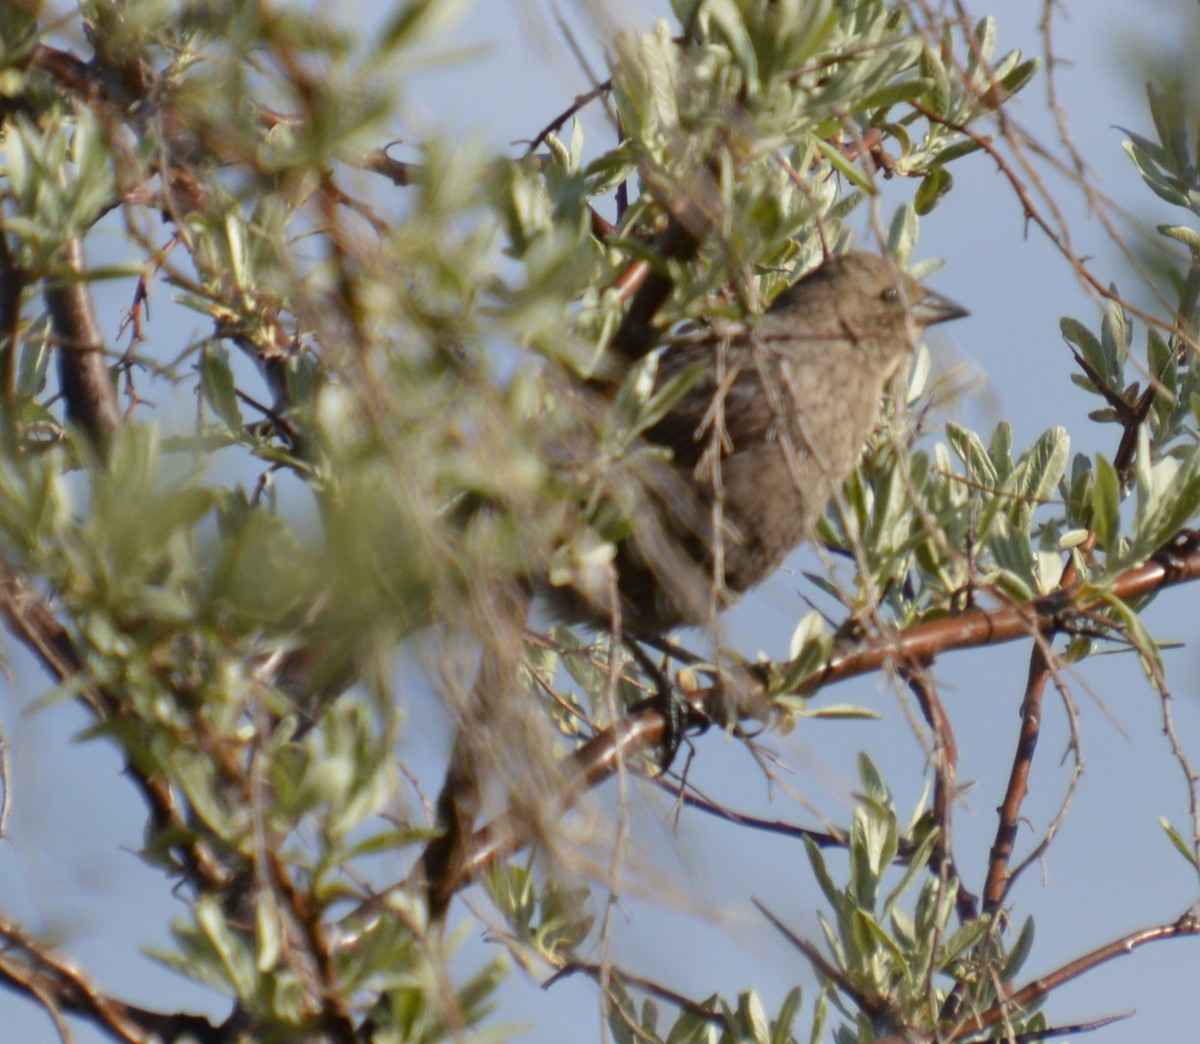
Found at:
<point>87,386</point>
<point>59,986</point>
<point>1188,925</point>
<point>598,759</point>
<point>29,619</point>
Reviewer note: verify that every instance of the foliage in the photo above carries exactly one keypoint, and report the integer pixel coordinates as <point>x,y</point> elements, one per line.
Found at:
<point>397,374</point>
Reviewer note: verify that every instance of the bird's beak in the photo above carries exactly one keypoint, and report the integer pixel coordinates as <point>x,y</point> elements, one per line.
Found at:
<point>934,308</point>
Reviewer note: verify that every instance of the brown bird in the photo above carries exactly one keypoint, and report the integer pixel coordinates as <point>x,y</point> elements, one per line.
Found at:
<point>772,425</point>
<point>773,422</point>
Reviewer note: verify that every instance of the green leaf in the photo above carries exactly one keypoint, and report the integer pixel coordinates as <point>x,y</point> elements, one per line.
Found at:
<point>1090,348</point>
<point>1019,76</point>
<point>1167,111</point>
<point>785,1021</point>
<point>1043,467</point>
<point>936,183</point>
<point>218,387</point>
<point>895,93</point>
<point>985,41</point>
<point>968,447</point>
<point>803,707</point>
<point>916,865</point>
<point>608,170</point>
<point>820,1014</point>
<point>1021,949</point>
<point>1106,504</point>
<point>872,781</point>
<point>666,395</point>
<point>899,964</point>
<point>1010,546</point>
<point>1142,153</point>
<point>964,939</point>
<point>816,860</point>
<point>751,1017</point>
<point>902,235</point>
<point>1139,637</point>
<point>957,150</point>
<point>227,946</point>
<point>1115,337</point>
<point>732,29</point>
<point>1173,501</point>
<point>1189,237</point>
<point>1176,839</point>
<point>843,166</point>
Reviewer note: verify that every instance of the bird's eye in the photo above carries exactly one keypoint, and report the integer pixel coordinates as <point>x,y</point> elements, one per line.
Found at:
<point>890,296</point>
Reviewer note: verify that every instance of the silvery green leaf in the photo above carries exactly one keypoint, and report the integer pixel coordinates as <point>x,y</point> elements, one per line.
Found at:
<point>1075,333</point>
<point>785,1021</point>
<point>1151,174</point>
<point>1139,637</point>
<point>811,628</point>
<point>1042,468</point>
<point>1015,79</point>
<point>559,151</point>
<point>895,93</point>
<point>915,862</point>
<point>837,159</point>
<point>1146,483</point>
<point>730,23</point>
<point>1176,491</point>
<point>918,377</point>
<point>1166,109</point>
<point>1072,538</point>
<point>985,41</point>
<point>1010,547</point>
<point>1048,570</point>
<point>963,939</point>
<point>576,142</point>
<point>1115,336</point>
<point>970,450</point>
<point>1000,451</point>
<point>902,234</point>
<point>752,1018</point>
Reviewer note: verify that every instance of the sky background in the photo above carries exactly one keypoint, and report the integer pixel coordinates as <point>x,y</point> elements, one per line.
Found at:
<point>69,871</point>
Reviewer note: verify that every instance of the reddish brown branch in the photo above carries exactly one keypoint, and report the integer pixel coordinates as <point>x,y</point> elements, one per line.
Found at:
<point>12,286</point>
<point>599,758</point>
<point>36,971</point>
<point>29,619</point>
<point>944,758</point>
<point>1188,925</point>
<point>87,385</point>
<point>555,125</point>
<point>998,877</point>
<point>1017,1000</point>
<point>397,171</point>
<point>833,838</point>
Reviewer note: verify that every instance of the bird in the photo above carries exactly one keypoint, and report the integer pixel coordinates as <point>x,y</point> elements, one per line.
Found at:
<point>773,422</point>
